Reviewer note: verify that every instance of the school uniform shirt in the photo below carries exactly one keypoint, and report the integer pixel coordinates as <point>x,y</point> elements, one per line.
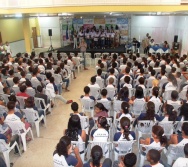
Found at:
<point>143,115</point>
<point>50,88</point>
<point>62,161</point>
<point>156,165</point>
<point>94,85</point>
<point>129,86</point>
<point>13,117</point>
<point>170,86</point>
<point>178,102</point>
<point>99,134</point>
<point>42,68</point>
<point>119,136</point>
<point>181,162</point>
<point>181,140</point>
<point>96,36</point>
<point>103,35</point>
<point>87,35</point>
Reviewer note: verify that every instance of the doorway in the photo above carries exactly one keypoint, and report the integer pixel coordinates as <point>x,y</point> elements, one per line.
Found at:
<point>34,36</point>
<point>1,38</point>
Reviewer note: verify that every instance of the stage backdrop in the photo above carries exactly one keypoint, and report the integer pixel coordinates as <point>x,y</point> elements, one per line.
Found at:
<point>68,26</point>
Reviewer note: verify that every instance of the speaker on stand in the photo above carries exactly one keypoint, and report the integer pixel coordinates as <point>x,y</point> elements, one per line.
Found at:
<point>50,35</point>
<point>176,45</point>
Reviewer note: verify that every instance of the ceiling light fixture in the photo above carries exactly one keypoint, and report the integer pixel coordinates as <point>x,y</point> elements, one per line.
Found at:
<point>18,15</point>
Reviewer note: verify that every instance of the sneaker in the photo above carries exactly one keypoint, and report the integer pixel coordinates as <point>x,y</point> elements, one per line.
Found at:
<point>69,101</point>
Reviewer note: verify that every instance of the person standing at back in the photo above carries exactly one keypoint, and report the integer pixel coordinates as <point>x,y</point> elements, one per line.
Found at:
<point>83,47</point>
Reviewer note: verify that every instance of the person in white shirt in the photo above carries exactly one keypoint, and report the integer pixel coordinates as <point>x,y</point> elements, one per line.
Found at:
<point>52,92</point>
<point>182,161</point>
<point>87,37</point>
<point>41,66</point>
<point>7,48</point>
<point>96,39</point>
<point>102,36</point>
<point>152,43</point>
<point>2,49</point>
<point>172,83</point>
<point>127,82</point>
<point>154,156</point>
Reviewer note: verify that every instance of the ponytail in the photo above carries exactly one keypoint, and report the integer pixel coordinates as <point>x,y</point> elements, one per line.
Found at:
<point>163,140</point>
<point>172,116</point>
<point>125,125</point>
<point>103,122</point>
<point>125,107</point>
<point>96,154</point>
<point>156,91</point>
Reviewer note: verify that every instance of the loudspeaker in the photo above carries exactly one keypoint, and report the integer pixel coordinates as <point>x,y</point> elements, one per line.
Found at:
<point>50,32</point>
<point>176,45</point>
<point>175,38</point>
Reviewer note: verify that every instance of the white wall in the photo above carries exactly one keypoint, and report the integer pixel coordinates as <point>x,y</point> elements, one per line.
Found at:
<point>18,46</point>
<point>161,28</point>
<point>46,23</point>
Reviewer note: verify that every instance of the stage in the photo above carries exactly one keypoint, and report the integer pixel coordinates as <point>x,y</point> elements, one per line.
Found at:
<point>69,48</point>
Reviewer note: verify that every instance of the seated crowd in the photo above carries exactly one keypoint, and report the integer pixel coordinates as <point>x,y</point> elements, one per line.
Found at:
<point>29,86</point>
<point>130,96</point>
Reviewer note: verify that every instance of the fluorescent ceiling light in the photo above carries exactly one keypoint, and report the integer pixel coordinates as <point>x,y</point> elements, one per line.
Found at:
<point>158,13</point>
<point>18,15</point>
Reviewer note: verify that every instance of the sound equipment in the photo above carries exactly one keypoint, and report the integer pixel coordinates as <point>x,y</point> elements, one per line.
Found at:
<point>175,38</point>
<point>176,45</point>
<point>49,32</point>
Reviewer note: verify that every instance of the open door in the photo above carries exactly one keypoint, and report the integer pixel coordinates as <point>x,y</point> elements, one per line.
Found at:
<point>34,36</point>
<point>0,38</point>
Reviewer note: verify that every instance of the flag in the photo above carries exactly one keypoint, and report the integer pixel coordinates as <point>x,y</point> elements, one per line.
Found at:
<point>72,29</point>
<point>67,32</point>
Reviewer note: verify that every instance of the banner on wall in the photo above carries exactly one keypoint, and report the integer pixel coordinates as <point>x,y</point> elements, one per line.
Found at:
<point>88,21</point>
<point>68,26</point>
<point>99,21</point>
<point>111,21</point>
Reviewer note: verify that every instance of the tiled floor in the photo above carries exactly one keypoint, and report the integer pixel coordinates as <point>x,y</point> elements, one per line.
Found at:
<point>39,151</point>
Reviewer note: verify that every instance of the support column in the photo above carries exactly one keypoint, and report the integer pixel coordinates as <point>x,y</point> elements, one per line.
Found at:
<point>26,31</point>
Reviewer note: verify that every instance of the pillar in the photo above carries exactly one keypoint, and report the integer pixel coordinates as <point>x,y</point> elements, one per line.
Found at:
<point>27,37</point>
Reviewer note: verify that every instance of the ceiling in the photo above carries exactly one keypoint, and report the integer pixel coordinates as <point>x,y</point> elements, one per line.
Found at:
<point>96,15</point>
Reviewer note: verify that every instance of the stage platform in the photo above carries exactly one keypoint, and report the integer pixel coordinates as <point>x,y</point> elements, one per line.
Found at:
<point>69,48</point>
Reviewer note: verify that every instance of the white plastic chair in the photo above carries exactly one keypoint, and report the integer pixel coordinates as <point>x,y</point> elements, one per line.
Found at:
<point>87,105</point>
<point>97,57</point>
<point>6,149</point>
<point>103,145</point>
<point>19,128</point>
<point>21,101</point>
<point>147,148</point>
<point>117,106</point>
<point>138,106</point>
<point>33,118</point>
<point>124,147</point>
<point>41,105</point>
<point>85,123</point>
<point>88,58</point>
<point>144,127</point>
<point>31,92</point>
<point>168,127</point>
<point>174,152</point>
<point>80,145</point>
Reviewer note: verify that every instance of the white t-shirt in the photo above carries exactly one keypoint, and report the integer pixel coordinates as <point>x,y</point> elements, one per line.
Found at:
<point>170,86</point>
<point>59,161</point>
<point>100,135</point>
<point>42,68</point>
<point>158,165</point>
<point>181,162</point>
<point>12,117</point>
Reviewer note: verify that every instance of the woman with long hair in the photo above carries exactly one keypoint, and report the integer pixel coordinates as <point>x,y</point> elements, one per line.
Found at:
<point>75,132</point>
<point>96,156</point>
<point>149,115</point>
<point>100,110</point>
<point>83,47</point>
<point>125,134</point>
<point>158,138</point>
<point>171,84</point>
<point>62,155</point>
<point>102,128</point>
